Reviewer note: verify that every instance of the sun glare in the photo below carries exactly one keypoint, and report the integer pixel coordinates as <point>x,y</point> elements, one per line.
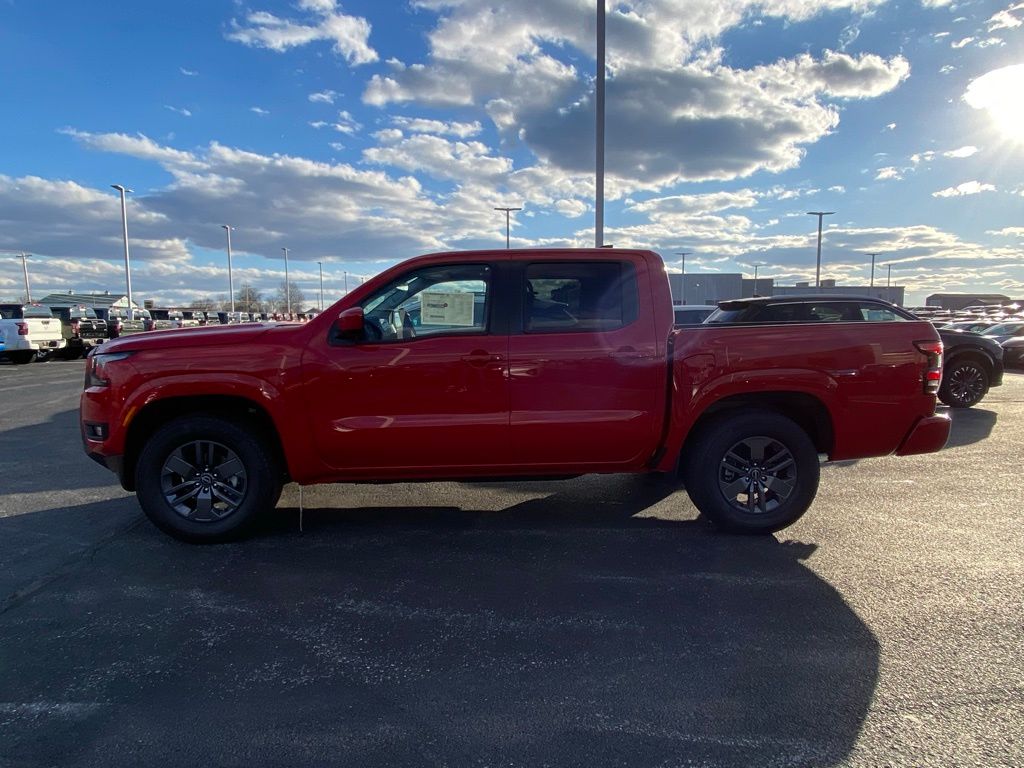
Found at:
<point>1001,93</point>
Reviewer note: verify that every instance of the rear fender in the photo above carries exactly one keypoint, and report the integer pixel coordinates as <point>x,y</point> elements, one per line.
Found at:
<point>698,387</point>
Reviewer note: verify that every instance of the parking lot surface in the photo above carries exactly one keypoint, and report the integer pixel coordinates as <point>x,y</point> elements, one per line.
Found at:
<point>592,622</point>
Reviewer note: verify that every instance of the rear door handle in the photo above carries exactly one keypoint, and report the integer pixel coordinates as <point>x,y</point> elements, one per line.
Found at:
<point>480,357</point>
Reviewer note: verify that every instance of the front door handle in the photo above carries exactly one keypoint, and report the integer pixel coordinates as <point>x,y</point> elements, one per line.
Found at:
<point>480,357</point>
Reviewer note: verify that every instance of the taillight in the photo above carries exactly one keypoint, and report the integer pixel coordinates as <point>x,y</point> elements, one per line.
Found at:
<point>75,324</point>
<point>932,377</point>
<point>22,329</point>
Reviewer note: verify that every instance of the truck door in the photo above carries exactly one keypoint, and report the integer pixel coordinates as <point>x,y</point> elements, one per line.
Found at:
<point>430,391</point>
<point>586,383</point>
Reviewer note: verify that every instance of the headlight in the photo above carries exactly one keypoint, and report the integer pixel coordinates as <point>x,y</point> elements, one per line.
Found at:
<point>95,368</point>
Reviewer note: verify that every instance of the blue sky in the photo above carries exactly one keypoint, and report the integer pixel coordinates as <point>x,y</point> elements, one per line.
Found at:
<point>358,134</point>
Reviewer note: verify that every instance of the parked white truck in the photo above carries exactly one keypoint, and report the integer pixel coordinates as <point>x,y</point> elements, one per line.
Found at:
<point>28,331</point>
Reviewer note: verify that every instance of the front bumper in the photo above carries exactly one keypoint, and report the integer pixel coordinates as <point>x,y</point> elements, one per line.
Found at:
<point>928,435</point>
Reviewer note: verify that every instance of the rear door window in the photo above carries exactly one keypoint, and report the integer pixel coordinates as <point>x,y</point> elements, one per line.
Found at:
<point>563,297</point>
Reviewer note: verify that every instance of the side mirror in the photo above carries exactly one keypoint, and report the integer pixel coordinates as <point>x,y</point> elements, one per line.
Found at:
<point>349,324</point>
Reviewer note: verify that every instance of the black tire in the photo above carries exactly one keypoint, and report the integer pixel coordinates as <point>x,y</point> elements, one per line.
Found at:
<point>241,484</point>
<point>964,383</point>
<point>22,357</point>
<point>786,473</point>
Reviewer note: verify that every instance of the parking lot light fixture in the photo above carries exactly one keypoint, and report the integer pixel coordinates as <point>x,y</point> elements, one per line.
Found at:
<point>287,288</point>
<point>321,265</point>
<point>24,268</point>
<point>682,273</point>
<point>888,279</point>
<point>127,262</point>
<point>508,222</point>
<point>231,284</point>
<point>873,255</point>
<point>817,271</point>
<point>756,267</point>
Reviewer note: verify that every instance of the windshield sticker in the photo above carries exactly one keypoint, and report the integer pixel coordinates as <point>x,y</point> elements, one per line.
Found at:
<point>446,308</point>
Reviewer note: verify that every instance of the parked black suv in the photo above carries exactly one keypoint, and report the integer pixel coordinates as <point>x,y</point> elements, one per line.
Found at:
<point>973,364</point>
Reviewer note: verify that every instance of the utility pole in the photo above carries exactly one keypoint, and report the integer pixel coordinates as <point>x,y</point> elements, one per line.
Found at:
<point>872,255</point>
<point>599,111</point>
<point>321,265</point>
<point>817,272</point>
<point>127,264</point>
<point>24,268</point>
<point>508,222</point>
<point>682,273</point>
<point>287,285</point>
<point>231,283</point>
<point>888,279</point>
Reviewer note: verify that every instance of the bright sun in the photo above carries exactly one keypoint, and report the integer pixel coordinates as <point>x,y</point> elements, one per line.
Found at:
<point>1001,93</point>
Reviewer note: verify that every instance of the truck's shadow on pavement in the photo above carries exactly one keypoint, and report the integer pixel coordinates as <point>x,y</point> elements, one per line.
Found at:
<point>970,425</point>
<point>556,632</point>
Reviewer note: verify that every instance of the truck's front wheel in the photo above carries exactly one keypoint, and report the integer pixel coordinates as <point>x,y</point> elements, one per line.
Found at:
<point>751,472</point>
<point>205,479</point>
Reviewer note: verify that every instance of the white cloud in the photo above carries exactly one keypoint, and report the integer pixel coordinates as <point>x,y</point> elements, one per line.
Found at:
<point>180,110</point>
<point>187,72</point>
<point>323,97</point>
<point>1007,232</point>
<point>571,209</point>
<point>259,111</point>
<point>889,173</point>
<point>967,188</point>
<point>890,126</point>
<point>966,151</point>
<point>963,42</point>
<point>439,127</point>
<point>1006,19</point>
<point>935,3</point>
<point>349,34</point>
<point>345,123</point>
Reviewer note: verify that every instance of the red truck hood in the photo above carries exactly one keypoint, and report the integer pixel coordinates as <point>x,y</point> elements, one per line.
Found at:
<point>203,336</point>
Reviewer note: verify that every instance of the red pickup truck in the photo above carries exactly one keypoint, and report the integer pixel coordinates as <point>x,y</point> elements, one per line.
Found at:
<point>506,364</point>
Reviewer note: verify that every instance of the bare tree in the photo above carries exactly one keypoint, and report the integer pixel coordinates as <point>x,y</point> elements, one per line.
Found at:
<point>205,304</point>
<point>297,297</point>
<point>248,299</point>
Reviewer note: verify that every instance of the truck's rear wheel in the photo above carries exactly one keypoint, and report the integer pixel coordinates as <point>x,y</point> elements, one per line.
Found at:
<point>751,472</point>
<point>22,357</point>
<point>205,479</point>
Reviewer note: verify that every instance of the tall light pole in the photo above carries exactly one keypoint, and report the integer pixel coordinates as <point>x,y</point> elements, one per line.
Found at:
<point>346,282</point>
<point>888,279</point>
<point>24,268</point>
<point>508,222</point>
<point>599,132</point>
<point>756,267</point>
<point>682,273</point>
<point>231,282</point>
<point>872,255</point>
<point>127,264</point>
<point>817,272</point>
<point>287,286</point>
<point>320,264</point>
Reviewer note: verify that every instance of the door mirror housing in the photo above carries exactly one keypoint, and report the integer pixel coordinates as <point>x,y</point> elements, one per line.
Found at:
<point>350,324</point>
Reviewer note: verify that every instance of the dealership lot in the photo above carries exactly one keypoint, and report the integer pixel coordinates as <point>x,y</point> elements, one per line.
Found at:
<point>591,622</point>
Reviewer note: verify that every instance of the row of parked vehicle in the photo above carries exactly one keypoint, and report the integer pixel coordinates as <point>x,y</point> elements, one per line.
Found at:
<point>36,331</point>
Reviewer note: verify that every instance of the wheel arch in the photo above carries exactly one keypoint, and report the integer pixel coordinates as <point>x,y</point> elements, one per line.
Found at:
<point>973,355</point>
<point>807,411</point>
<point>238,409</point>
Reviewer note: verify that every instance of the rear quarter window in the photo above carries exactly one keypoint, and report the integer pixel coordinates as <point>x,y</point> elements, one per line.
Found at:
<point>579,296</point>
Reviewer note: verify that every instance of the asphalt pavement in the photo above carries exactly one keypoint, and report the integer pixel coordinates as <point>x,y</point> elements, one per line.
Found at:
<point>591,622</point>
